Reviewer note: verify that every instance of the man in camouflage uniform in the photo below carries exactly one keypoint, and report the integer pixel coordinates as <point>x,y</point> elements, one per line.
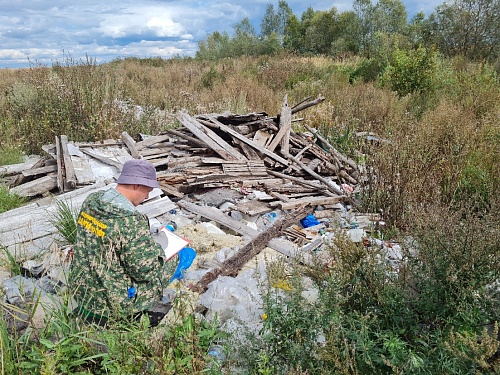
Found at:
<point>117,268</point>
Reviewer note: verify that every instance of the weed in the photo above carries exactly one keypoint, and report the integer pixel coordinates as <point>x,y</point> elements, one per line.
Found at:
<point>9,201</point>
<point>11,263</point>
<point>10,155</point>
<point>64,221</point>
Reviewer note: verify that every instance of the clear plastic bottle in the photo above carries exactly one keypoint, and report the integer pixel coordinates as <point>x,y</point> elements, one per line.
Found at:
<point>217,352</point>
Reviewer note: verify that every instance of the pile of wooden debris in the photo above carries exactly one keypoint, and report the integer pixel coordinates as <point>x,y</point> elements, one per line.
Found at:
<point>208,151</point>
<point>252,154</point>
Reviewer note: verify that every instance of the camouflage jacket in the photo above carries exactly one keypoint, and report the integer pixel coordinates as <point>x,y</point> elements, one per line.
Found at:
<point>114,251</point>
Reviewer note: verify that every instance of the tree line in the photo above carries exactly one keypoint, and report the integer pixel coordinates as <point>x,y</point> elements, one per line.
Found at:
<point>468,28</point>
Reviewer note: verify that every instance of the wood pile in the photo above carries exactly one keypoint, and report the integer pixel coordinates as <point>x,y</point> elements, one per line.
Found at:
<point>252,151</point>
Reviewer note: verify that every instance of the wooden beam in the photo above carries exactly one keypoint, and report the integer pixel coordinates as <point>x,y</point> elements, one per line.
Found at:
<point>130,143</point>
<point>282,138</point>
<point>249,142</point>
<point>60,171</point>
<point>69,169</point>
<point>208,136</point>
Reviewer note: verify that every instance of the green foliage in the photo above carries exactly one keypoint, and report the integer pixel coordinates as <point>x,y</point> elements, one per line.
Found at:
<point>9,201</point>
<point>367,71</point>
<point>64,221</point>
<point>68,99</point>
<point>66,346</point>
<point>371,318</point>
<point>10,155</point>
<point>411,71</point>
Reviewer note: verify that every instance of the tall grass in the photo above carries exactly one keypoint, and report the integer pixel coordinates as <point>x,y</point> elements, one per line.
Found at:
<point>434,178</point>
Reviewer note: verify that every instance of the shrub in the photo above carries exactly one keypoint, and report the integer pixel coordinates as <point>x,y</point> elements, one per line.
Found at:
<point>411,71</point>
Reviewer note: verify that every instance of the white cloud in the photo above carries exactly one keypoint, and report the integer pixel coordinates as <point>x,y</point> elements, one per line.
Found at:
<point>45,31</point>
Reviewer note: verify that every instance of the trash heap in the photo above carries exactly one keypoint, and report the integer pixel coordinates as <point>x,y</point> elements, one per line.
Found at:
<point>239,188</point>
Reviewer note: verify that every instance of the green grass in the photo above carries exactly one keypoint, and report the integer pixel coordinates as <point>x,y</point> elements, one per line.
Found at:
<point>64,221</point>
<point>10,155</point>
<point>9,201</point>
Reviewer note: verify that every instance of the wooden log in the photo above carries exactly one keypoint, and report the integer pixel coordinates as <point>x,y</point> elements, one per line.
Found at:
<point>130,143</point>
<point>36,187</point>
<point>69,170</point>
<point>231,266</point>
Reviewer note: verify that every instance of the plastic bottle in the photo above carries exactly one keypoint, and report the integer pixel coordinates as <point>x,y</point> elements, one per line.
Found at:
<point>217,352</point>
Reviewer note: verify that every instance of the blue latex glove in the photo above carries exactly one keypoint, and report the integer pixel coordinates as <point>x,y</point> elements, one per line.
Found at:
<point>186,257</point>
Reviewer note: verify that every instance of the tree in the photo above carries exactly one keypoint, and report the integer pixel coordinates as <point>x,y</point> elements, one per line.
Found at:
<point>216,46</point>
<point>245,41</point>
<point>389,16</point>
<point>470,28</point>
<point>276,22</point>
<point>294,35</point>
<point>323,30</point>
<point>269,23</point>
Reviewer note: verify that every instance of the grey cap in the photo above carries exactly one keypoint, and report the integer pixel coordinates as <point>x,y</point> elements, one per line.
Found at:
<point>138,172</point>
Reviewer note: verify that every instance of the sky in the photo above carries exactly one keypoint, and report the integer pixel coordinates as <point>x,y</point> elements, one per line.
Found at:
<point>39,32</point>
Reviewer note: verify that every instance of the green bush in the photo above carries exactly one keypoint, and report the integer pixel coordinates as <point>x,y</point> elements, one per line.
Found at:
<point>411,71</point>
<point>428,316</point>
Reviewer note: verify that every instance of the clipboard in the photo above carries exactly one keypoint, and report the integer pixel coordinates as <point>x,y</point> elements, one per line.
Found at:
<point>174,243</point>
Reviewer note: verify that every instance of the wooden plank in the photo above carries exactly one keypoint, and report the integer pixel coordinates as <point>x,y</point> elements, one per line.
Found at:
<point>130,143</point>
<point>36,187</point>
<point>283,136</point>
<point>156,150</point>
<point>151,141</point>
<point>39,171</point>
<point>313,201</point>
<point>208,136</point>
<point>60,170</point>
<point>261,137</point>
<point>103,159</point>
<point>83,171</point>
<point>69,171</point>
<point>249,142</point>
<point>170,190</point>
<point>282,246</point>
<point>7,170</point>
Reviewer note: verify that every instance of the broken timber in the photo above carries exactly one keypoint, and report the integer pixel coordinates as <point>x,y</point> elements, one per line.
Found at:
<point>231,266</point>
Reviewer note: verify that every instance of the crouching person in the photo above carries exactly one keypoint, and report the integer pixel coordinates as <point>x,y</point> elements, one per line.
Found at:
<point>117,271</point>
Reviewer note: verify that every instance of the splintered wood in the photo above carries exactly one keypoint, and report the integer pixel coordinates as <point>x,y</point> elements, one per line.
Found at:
<point>207,151</point>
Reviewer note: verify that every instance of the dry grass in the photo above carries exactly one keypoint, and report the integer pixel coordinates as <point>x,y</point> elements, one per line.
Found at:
<point>437,142</point>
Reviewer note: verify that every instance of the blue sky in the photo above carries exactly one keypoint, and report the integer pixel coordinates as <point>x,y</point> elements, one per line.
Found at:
<point>44,32</point>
